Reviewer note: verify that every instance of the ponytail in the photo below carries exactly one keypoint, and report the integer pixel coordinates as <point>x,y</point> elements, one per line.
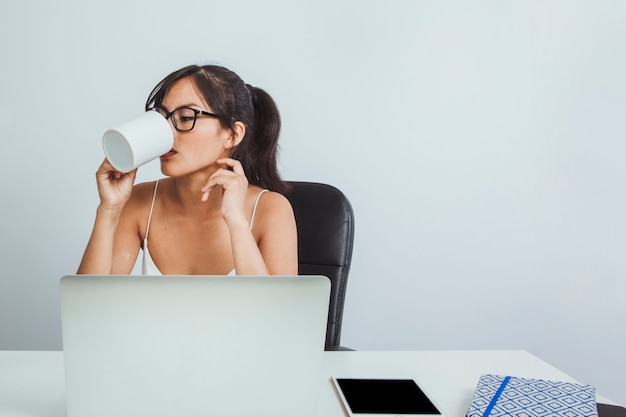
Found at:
<point>259,150</point>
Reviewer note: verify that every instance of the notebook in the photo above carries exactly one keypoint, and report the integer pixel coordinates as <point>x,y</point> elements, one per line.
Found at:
<point>498,395</point>
<point>189,346</point>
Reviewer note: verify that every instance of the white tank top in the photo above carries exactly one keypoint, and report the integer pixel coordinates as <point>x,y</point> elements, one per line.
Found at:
<point>148,267</point>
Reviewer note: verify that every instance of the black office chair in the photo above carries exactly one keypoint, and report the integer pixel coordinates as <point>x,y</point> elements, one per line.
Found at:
<point>325,222</point>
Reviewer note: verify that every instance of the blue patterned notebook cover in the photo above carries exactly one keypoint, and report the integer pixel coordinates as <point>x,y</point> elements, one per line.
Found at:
<point>497,395</point>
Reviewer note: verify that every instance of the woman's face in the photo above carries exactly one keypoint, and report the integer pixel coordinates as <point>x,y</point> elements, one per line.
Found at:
<point>200,147</point>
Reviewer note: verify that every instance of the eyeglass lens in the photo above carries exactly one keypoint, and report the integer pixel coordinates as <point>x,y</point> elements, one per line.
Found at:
<point>184,119</point>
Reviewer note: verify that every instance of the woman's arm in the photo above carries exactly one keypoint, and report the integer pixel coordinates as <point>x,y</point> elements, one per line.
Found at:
<point>277,250</point>
<point>274,226</point>
<point>112,235</point>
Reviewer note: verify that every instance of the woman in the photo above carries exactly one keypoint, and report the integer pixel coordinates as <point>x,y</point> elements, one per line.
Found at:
<point>213,215</point>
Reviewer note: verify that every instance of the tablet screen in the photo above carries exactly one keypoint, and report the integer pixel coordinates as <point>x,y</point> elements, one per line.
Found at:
<point>385,396</point>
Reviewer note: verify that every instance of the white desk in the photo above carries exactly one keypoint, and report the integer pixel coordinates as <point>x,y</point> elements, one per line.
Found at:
<point>32,383</point>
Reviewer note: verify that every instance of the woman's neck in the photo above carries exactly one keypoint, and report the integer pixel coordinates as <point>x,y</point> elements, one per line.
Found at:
<point>186,192</point>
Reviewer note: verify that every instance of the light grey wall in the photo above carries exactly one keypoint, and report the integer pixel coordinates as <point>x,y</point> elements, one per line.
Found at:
<point>481,144</point>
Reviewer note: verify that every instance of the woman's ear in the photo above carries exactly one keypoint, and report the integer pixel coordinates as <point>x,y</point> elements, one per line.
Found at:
<point>238,132</point>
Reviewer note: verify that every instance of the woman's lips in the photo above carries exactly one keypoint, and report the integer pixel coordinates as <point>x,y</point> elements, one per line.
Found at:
<point>169,154</point>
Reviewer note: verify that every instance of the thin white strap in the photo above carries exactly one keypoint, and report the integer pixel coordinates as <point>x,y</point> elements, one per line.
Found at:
<point>156,185</point>
<point>255,204</point>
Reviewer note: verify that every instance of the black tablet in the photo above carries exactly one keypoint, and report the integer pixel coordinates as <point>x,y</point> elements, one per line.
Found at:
<point>384,397</point>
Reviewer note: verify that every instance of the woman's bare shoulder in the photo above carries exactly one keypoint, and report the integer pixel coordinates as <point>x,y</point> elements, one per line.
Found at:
<point>136,209</point>
<point>270,200</point>
<point>141,196</point>
<point>274,207</point>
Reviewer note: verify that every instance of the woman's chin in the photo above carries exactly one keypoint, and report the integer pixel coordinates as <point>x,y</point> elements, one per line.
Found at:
<point>167,169</point>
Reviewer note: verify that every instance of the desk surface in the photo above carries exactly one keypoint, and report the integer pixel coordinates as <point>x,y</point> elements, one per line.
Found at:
<point>32,383</point>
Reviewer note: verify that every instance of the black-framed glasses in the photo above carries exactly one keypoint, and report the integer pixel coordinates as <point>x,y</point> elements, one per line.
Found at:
<point>184,118</point>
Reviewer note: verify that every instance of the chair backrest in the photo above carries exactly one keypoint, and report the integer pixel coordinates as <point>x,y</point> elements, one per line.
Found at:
<point>325,222</point>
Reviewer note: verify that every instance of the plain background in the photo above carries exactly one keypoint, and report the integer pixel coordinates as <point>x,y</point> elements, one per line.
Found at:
<point>480,142</point>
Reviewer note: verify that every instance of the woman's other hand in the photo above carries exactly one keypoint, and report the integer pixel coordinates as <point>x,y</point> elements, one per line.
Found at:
<point>234,184</point>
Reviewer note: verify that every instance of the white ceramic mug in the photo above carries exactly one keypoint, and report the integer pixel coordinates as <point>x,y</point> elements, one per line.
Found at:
<point>138,141</point>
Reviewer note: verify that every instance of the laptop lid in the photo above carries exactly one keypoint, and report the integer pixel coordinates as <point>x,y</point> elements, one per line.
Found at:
<point>193,345</point>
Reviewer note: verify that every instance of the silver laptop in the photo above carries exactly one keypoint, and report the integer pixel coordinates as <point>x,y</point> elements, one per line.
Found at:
<point>189,346</point>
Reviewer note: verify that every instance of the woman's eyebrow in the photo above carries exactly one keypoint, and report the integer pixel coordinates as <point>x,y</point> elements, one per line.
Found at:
<point>182,106</point>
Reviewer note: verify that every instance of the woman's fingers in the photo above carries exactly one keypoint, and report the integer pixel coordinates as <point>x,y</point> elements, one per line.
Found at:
<point>231,169</point>
<point>231,176</point>
<point>234,165</point>
<point>114,187</point>
<point>220,177</point>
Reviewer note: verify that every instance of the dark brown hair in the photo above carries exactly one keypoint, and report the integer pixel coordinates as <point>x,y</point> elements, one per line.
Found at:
<point>233,100</point>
